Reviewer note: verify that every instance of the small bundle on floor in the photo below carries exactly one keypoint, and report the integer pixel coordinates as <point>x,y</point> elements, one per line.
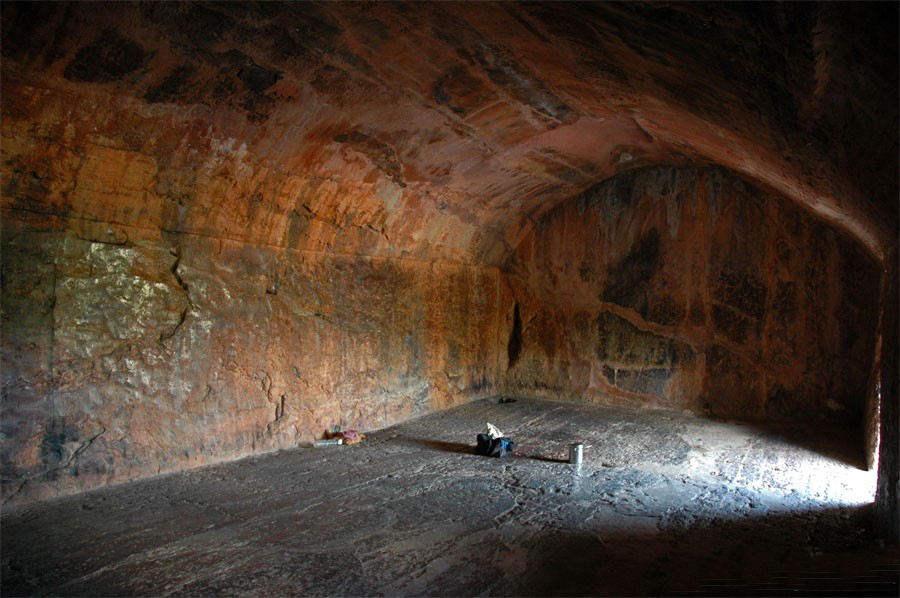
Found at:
<point>494,443</point>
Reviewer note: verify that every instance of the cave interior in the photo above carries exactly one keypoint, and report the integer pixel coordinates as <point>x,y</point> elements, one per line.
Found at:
<point>667,230</point>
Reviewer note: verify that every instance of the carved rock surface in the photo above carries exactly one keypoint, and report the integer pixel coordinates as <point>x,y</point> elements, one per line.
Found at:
<point>688,288</point>
<point>121,360</point>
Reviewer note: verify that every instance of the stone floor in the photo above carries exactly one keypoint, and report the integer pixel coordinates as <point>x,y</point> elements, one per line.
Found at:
<point>663,504</point>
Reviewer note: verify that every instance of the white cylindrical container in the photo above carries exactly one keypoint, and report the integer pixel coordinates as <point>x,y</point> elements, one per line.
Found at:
<point>576,451</point>
<point>328,442</point>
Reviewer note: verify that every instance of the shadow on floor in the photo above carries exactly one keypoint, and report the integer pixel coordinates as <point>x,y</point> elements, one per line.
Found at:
<point>519,452</point>
<point>540,458</point>
<point>440,445</point>
<point>817,553</point>
<point>541,452</point>
<point>824,553</point>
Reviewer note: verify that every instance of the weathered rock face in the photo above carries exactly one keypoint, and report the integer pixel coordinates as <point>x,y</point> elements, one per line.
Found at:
<point>688,288</point>
<point>135,357</point>
<point>434,130</point>
<point>228,226</point>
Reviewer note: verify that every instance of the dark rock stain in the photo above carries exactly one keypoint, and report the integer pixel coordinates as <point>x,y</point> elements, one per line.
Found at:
<point>692,94</point>
<point>650,381</point>
<point>258,79</point>
<point>172,87</point>
<point>785,307</point>
<point>635,360</point>
<point>52,448</point>
<point>371,32</point>
<point>859,275</point>
<point>698,312</point>
<point>610,374</point>
<point>307,25</point>
<point>629,280</point>
<point>28,188</point>
<point>241,83</point>
<point>514,346</point>
<point>108,58</point>
<point>442,97</point>
<point>502,69</point>
<point>21,23</point>
<point>624,190</point>
<point>357,63</point>
<point>381,154</point>
<point>574,29</point>
<point>331,80</point>
<point>782,404</point>
<point>259,107</point>
<point>548,334</point>
<point>453,31</point>
<point>299,224</point>
<point>586,272</point>
<point>287,45</point>
<point>197,23</point>
<point>604,68</point>
<point>732,323</point>
<point>666,310</point>
<point>743,291</point>
<point>523,85</point>
<point>733,384</point>
<point>224,89</point>
<point>461,92</point>
<point>515,12</point>
<point>621,342</point>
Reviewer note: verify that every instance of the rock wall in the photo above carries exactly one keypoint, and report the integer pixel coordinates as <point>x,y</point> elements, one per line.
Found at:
<point>687,288</point>
<point>127,354</point>
<point>887,497</point>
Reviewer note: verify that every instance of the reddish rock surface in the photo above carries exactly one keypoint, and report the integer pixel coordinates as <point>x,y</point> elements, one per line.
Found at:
<point>433,131</point>
<point>687,288</point>
<point>229,226</point>
<point>126,359</point>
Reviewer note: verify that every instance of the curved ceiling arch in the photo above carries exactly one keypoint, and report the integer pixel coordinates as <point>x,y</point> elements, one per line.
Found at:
<point>441,131</point>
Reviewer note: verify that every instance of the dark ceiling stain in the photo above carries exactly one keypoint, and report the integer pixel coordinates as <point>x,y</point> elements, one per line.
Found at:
<point>381,154</point>
<point>108,58</point>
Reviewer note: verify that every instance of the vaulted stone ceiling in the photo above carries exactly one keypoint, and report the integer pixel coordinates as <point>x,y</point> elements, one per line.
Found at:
<point>437,130</point>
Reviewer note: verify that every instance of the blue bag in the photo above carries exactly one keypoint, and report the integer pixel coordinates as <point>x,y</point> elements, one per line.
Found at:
<point>494,447</point>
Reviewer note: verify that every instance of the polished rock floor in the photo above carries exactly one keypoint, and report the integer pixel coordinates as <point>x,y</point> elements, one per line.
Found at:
<point>663,504</point>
